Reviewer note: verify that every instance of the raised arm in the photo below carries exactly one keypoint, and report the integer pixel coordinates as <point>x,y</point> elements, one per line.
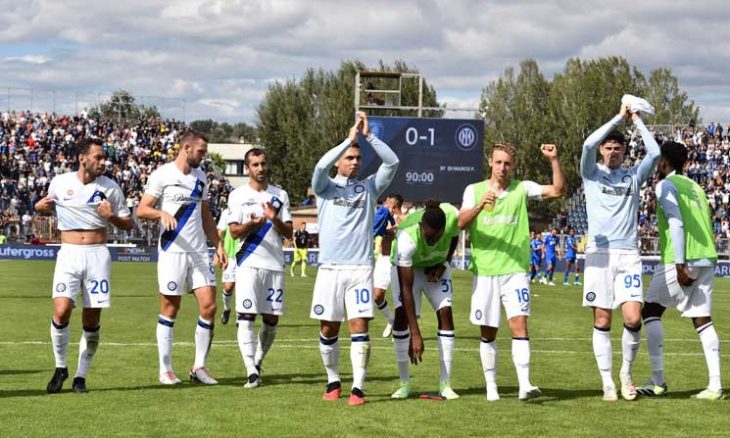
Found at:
<point>386,172</point>
<point>320,178</point>
<point>588,158</point>
<point>648,164</point>
<point>557,189</point>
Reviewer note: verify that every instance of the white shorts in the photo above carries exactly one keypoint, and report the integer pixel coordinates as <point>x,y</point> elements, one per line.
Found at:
<point>611,278</point>
<point>229,274</point>
<point>176,269</point>
<point>692,302</point>
<point>381,274</point>
<point>259,291</point>
<point>511,290</point>
<point>439,294</point>
<point>340,288</point>
<point>83,268</point>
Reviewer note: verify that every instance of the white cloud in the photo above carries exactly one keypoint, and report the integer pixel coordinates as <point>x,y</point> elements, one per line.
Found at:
<point>219,56</point>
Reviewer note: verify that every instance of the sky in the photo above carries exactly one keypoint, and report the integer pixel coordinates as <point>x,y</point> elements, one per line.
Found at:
<point>215,59</point>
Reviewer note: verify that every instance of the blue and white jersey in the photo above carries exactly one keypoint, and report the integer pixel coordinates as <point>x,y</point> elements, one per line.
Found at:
<point>536,247</point>
<point>551,246</point>
<point>346,206</point>
<point>612,195</point>
<point>76,202</point>
<point>570,245</point>
<point>181,196</point>
<point>382,220</point>
<point>261,248</point>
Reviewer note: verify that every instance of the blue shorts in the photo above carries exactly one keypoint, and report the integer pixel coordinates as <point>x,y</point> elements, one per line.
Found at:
<point>552,261</point>
<point>536,260</point>
<point>571,258</point>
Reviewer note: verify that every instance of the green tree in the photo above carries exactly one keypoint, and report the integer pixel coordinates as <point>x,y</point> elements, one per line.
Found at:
<point>672,105</point>
<point>298,120</point>
<point>122,107</point>
<point>224,132</point>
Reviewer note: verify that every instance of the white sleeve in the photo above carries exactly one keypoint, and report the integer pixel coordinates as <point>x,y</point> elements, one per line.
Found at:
<point>223,221</point>
<point>119,202</point>
<point>52,188</point>
<point>155,185</point>
<point>235,210</point>
<point>467,201</point>
<point>405,250</point>
<point>285,212</point>
<point>533,190</point>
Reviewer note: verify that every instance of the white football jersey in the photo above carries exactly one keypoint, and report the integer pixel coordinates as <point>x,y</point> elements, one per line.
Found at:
<point>263,248</point>
<point>181,196</point>
<point>223,221</point>
<point>76,202</point>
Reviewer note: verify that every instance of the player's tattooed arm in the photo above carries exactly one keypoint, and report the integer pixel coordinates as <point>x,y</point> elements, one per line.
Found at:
<point>46,206</point>
<point>405,277</point>
<point>106,211</point>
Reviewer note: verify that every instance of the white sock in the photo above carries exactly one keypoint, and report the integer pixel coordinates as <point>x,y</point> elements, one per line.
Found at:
<point>227,297</point>
<point>604,355</point>
<point>488,354</point>
<point>87,349</point>
<point>385,310</point>
<point>521,359</point>
<point>401,342</point>
<point>60,336</point>
<point>655,344</point>
<point>247,345</point>
<point>711,346</point>
<point>267,334</point>
<point>165,337</point>
<point>360,356</point>
<point>203,339</point>
<point>446,352</point>
<point>629,347</point>
<point>329,349</point>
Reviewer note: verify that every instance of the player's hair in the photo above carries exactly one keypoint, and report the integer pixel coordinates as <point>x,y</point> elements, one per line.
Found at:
<point>504,147</point>
<point>84,145</point>
<point>253,152</point>
<point>190,136</point>
<point>675,153</point>
<point>433,216</point>
<point>532,230</point>
<point>570,228</point>
<point>555,229</point>
<point>397,199</point>
<point>616,136</point>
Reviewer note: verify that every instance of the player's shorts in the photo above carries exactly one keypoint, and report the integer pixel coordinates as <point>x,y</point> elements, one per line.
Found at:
<point>536,260</point>
<point>551,261</point>
<point>611,278</point>
<point>488,292</point>
<point>571,258</point>
<point>85,270</point>
<point>259,291</point>
<point>439,294</point>
<point>343,288</point>
<point>692,302</point>
<point>300,255</point>
<point>229,274</point>
<point>381,274</point>
<point>176,269</point>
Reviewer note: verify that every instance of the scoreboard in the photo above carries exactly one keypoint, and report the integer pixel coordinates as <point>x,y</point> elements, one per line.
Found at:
<point>438,157</point>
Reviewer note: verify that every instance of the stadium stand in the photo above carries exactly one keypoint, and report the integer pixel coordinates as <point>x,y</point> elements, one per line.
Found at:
<point>34,147</point>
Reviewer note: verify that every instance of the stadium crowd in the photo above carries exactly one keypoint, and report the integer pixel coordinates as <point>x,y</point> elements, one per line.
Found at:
<point>35,147</point>
<point>708,165</point>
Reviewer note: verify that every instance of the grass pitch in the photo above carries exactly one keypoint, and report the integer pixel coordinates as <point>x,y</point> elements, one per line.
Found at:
<point>125,398</point>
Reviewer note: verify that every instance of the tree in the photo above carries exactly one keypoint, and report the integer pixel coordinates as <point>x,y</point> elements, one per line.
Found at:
<point>528,110</point>
<point>298,120</point>
<point>225,132</point>
<point>122,107</point>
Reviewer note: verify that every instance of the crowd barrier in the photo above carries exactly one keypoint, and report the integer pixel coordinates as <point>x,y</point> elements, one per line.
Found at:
<point>129,253</point>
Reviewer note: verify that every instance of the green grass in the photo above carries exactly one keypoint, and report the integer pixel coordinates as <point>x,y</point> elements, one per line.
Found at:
<point>125,398</point>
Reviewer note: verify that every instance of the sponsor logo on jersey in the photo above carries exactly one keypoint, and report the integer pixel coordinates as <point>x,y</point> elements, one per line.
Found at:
<point>318,309</point>
<point>342,202</point>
